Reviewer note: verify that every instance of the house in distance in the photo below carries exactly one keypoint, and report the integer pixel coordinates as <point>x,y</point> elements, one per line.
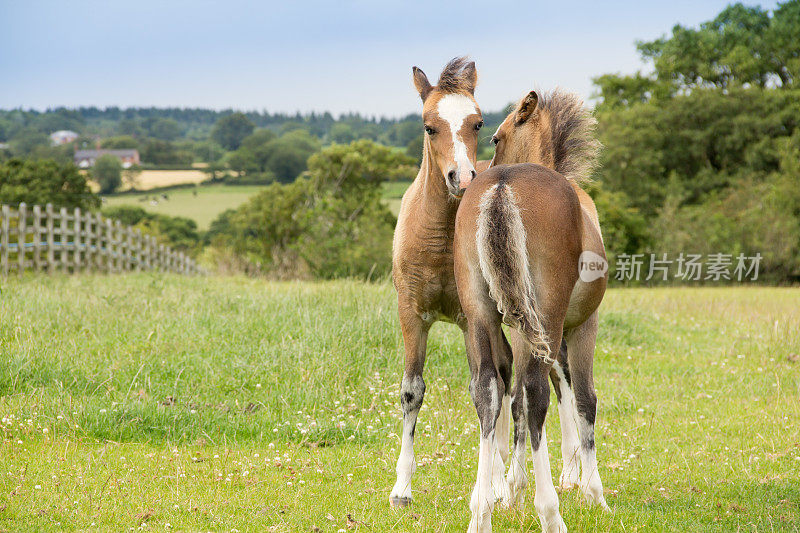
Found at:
<point>63,137</point>
<point>87,158</point>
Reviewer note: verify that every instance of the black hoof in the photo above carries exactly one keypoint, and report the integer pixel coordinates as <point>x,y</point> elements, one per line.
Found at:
<point>399,503</point>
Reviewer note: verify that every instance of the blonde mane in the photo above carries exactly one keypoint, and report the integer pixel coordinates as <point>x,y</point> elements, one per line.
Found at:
<point>454,79</point>
<point>573,147</point>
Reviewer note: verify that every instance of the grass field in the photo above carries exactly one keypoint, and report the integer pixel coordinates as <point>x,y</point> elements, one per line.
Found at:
<point>210,201</point>
<point>159,402</point>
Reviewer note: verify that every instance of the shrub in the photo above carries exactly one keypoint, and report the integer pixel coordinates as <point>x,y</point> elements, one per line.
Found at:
<point>107,172</point>
<point>42,181</point>
<point>179,233</point>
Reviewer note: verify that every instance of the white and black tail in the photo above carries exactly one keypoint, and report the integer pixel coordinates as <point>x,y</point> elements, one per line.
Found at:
<point>503,258</point>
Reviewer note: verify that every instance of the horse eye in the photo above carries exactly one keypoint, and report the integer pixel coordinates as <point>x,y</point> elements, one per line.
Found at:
<point>429,130</point>
<point>479,125</point>
<point>495,140</point>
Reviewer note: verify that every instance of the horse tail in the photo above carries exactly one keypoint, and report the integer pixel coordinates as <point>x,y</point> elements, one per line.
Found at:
<point>503,259</point>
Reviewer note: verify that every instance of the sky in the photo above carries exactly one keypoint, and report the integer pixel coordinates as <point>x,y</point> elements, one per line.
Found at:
<point>339,56</point>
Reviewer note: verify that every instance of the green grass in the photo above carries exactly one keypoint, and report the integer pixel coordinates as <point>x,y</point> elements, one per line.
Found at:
<point>210,201</point>
<point>230,403</point>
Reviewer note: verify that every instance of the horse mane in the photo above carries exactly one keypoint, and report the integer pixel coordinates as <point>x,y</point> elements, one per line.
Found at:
<point>574,146</point>
<point>453,79</point>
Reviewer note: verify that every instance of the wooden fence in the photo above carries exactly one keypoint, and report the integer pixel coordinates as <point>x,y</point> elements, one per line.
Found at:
<point>49,240</point>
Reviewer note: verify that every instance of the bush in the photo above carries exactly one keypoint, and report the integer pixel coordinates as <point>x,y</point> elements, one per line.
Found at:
<point>180,233</point>
<point>42,181</point>
<point>107,172</point>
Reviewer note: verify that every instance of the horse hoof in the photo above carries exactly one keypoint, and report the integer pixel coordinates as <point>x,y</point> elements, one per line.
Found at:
<point>566,486</point>
<point>398,502</point>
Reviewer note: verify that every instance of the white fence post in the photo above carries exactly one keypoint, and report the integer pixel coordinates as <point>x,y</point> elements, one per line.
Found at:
<point>4,240</point>
<point>51,254</point>
<point>22,231</point>
<point>63,233</point>
<point>76,239</point>
<point>37,238</point>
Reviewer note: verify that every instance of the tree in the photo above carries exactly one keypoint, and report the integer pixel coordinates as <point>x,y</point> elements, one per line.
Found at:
<point>229,131</point>
<point>624,91</point>
<point>258,138</point>
<point>120,143</point>
<point>157,152</point>
<point>329,223</point>
<point>243,161</point>
<point>701,156</point>
<point>342,133</point>
<point>58,119</point>
<point>129,127</point>
<point>45,181</point>
<point>208,151</point>
<point>107,172</point>
<point>165,129</point>
<point>741,47</point>
<point>287,155</point>
<point>26,140</point>
<point>252,157</point>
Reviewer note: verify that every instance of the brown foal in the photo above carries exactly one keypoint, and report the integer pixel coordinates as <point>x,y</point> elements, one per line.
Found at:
<point>423,240</point>
<point>521,238</point>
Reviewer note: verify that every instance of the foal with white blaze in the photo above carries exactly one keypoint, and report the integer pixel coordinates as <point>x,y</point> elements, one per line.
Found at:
<point>423,241</point>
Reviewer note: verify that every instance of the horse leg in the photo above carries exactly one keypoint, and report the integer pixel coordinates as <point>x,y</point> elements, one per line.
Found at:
<point>580,351</point>
<point>486,388</point>
<point>567,415</point>
<point>537,394</point>
<point>503,359</point>
<point>517,474</point>
<point>412,392</point>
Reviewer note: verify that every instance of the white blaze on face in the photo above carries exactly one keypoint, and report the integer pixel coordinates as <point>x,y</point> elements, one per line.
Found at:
<point>454,109</point>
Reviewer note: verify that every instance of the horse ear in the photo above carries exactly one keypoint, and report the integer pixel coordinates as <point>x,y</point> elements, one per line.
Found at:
<point>471,75</point>
<point>527,106</point>
<point>421,82</point>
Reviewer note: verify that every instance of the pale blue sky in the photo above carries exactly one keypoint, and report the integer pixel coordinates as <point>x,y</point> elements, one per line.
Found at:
<point>347,55</point>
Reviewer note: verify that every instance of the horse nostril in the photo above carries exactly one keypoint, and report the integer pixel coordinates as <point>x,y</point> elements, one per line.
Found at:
<point>451,175</point>
<point>474,174</point>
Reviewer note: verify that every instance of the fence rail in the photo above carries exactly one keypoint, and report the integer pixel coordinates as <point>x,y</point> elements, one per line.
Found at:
<point>43,239</point>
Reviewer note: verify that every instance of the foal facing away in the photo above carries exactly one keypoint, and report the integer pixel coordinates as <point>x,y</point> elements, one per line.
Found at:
<point>521,231</point>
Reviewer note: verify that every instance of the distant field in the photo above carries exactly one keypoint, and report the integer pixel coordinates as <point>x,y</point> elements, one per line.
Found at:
<point>151,179</point>
<point>205,206</point>
<point>161,402</point>
<point>393,193</point>
<point>211,200</point>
